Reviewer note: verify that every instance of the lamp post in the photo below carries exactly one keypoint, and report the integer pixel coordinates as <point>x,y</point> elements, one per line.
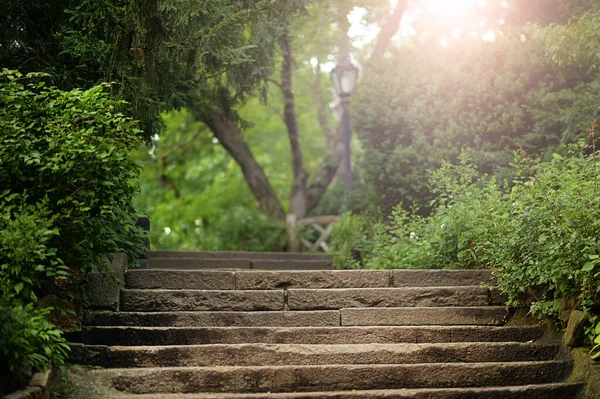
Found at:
<point>344,77</point>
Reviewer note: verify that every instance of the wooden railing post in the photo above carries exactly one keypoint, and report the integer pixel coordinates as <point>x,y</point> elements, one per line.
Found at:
<point>291,231</point>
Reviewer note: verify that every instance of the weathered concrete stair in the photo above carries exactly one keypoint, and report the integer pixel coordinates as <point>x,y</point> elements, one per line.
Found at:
<point>238,260</point>
<point>184,331</point>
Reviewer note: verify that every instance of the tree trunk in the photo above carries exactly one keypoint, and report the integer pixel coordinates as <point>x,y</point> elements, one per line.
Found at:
<point>230,137</point>
<point>298,202</point>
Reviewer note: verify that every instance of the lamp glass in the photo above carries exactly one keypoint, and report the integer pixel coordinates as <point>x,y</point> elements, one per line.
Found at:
<point>344,77</point>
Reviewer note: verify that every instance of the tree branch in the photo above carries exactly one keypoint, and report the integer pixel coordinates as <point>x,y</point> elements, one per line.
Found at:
<point>177,146</point>
<point>230,137</point>
<point>164,179</point>
<point>388,31</point>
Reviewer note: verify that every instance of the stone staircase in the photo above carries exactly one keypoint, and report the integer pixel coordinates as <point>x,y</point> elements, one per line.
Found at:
<point>240,325</point>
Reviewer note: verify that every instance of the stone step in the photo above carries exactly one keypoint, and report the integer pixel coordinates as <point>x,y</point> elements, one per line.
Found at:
<point>135,336</point>
<point>541,391</point>
<point>180,279</point>
<point>322,299</point>
<point>489,315</point>
<point>271,280</point>
<point>419,316</point>
<point>334,377</point>
<point>322,318</point>
<point>239,263</point>
<point>239,255</point>
<point>200,300</point>
<point>299,354</point>
<point>300,299</point>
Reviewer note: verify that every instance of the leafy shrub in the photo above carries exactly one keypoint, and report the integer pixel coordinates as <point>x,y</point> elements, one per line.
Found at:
<point>28,342</point>
<point>70,151</point>
<point>540,236</point>
<point>595,352</point>
<point>452,236</point>
<point>26,261</point>
<point>424,104</point>
<point>550,247</point>
<point>66,184</point>
<point>351,241</point>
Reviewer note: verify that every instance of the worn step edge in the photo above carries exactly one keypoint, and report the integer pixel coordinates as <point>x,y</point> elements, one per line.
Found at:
<point>267,280</point>
<point>136,336</point>
<point>484,315</point>
<point>320,318</point>
<point>334,377</point>
<point>418,316</point>
<point>539,391</point>
<point>300,354</point>
<point>180,279</point>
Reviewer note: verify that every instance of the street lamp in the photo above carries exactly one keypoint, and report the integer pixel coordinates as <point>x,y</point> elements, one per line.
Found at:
<point>344,77</point>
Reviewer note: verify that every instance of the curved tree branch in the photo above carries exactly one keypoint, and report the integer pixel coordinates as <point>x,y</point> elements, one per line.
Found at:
<point>388,31</point>
<point>229,135</point>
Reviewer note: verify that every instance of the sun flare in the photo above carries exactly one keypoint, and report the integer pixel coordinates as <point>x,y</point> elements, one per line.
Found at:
<point>453,8</point>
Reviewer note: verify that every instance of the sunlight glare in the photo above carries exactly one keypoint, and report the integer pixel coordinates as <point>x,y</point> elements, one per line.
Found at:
<point>453,8</point>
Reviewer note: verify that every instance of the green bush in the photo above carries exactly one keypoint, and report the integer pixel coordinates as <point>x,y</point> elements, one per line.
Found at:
<point>541,236</point>
<point>28,343</point>
<point>425,104</point>
<point>240,229</point>
<point>70,151</point>
<point>452,236</point>
<point>550,246</point>
<point>66,185</point>
<point>26,261</point>
<point>351,241</point>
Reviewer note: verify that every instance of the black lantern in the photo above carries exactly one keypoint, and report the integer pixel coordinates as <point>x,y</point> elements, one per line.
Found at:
<point>344,77</point>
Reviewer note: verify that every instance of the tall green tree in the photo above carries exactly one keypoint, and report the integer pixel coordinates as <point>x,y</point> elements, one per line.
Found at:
<point>307,189</point>
<point>153,51</point>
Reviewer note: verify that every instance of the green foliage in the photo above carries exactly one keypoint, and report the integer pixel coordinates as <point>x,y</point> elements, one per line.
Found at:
<point>577,42</point>
<point>540,236</point>
<point>595,352</point>
<point>66,188</point>
<point>351,241</point>
<point>452,236</point>
<point>27,261</point>
<point>550,243</point>
<point>28,342</point>
<point>154,50</point>
<point>427,104</point>
<point>70,152</point>
<point>188,176</point>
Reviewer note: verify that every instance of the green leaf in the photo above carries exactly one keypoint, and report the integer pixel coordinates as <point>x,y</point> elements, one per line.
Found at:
<point>19,287</point>
<point>588,267</point>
